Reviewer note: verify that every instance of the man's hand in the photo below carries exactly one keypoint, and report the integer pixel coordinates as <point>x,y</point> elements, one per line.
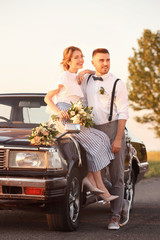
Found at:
<point>116,146</point>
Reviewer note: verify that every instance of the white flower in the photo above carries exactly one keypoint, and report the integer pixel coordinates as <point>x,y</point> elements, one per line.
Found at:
<point>81,111</point>
<point>72,113</point>
<point>78,105</point>
<point>75,119</point>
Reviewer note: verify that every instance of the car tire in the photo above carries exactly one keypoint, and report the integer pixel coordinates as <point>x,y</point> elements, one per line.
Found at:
<point>66,213</point>
<point>129,192</point>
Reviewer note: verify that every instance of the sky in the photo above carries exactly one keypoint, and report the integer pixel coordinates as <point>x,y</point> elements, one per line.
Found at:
<point>34,33</point>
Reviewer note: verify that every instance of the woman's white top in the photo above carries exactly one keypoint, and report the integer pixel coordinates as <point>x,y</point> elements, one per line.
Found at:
<point>71,92</point>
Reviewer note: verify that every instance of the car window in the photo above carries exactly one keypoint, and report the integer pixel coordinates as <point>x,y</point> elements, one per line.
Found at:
<point>35,115</point>
<point>5,111</point>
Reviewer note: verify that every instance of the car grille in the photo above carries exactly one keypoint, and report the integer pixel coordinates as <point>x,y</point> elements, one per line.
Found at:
<point>11,190</point>
<point>2,158</point>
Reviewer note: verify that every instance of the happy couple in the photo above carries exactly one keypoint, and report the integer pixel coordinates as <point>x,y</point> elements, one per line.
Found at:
<point>105,143</point>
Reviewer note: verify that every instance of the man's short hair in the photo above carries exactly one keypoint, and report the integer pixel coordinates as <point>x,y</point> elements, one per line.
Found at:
<point>99,50</point>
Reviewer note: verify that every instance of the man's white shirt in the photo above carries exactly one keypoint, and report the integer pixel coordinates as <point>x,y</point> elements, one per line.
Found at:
<point>101,102</point>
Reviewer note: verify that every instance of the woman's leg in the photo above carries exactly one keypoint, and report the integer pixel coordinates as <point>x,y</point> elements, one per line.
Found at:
<point>95,180</point>
<point>91,178</point>
<point>99,183</point>
<point>97,146</point>
<point>98,152</point>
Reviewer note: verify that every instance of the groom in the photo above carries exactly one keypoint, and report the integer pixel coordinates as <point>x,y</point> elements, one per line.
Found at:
<point>114,126</point>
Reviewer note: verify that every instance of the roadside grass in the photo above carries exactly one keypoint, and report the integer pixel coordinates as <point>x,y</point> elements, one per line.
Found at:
<point>154,164</point>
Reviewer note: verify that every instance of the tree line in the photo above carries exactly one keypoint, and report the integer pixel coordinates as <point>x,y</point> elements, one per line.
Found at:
<point>144,79</point>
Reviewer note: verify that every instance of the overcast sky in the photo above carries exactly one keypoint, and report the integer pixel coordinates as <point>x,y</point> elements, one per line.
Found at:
<point>34,33</point>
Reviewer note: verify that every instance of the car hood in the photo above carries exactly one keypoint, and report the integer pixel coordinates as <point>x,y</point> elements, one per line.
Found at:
<point>14,136</point>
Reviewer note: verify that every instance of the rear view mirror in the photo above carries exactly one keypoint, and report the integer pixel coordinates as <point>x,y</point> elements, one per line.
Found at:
<point>29,104</point>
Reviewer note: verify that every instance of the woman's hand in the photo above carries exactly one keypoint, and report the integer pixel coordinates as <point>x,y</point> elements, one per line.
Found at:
<point>63,115</point>
<point>59,126</point>
<point>80,76</point>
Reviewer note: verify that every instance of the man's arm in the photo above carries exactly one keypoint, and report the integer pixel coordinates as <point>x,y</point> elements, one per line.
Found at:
<point>122,109</point>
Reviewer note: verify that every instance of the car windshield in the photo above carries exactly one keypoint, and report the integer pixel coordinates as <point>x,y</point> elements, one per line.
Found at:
<point>22,111</point>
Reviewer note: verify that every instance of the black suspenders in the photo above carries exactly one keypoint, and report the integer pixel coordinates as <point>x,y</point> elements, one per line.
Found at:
<point>112,98</point>
<point>88,78</point>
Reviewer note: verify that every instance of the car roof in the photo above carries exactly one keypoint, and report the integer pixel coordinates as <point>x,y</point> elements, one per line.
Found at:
<point>22,94</point>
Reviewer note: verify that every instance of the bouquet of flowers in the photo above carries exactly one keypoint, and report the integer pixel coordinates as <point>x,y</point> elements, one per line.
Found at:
<point>79,114</point>
<point>43,135</point>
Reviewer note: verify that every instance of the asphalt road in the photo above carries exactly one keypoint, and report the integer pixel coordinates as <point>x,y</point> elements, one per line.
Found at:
<point>144,221</point>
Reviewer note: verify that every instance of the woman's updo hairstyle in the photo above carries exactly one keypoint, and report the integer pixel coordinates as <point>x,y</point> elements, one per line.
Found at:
<point>67,55</point>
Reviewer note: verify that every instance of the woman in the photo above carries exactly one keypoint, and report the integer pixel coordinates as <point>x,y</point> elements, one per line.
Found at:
<point>95,142</point>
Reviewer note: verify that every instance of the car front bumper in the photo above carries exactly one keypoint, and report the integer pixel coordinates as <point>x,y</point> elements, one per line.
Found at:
<point>12,188</point>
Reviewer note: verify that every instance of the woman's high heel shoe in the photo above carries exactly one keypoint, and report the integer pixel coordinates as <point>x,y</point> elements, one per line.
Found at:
<point>92,189</point>
<point>110,198</point>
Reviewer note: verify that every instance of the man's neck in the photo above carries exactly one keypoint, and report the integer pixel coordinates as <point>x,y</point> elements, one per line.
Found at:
<point>100,74</point>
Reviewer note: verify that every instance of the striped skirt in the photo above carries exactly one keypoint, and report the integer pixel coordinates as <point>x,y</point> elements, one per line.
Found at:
<point>96,144</point>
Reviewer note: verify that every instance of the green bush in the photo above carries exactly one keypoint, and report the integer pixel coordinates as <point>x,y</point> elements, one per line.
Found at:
<point>154,169</point>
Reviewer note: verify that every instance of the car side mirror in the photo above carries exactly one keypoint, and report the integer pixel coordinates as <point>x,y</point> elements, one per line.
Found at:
<point>70,128</point>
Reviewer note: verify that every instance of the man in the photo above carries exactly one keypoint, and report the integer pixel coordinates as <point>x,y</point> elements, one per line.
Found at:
<point>98,92</point>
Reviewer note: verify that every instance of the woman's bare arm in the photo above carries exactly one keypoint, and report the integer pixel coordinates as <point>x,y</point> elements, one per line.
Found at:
<point>81,75</point>
<point>48,99</point>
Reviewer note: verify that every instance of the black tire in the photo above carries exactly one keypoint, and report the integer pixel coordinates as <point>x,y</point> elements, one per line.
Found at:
<point>66,213</point>
<point>129,192</point>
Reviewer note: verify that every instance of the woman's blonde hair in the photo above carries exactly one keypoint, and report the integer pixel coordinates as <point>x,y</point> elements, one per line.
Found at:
<point>67,54</point>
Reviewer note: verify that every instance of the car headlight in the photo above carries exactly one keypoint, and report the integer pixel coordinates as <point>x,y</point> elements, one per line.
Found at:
<point>26,159</point>
<point>54,160</point>
<point>31,159</point>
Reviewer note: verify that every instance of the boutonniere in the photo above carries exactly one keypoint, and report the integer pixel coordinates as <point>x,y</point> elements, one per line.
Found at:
<point>102,91</point>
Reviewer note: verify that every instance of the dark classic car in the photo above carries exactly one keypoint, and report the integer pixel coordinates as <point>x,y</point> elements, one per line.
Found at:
<point>48,178</point>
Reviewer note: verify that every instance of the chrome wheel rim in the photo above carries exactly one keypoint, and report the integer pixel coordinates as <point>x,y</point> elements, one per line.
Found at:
<point>74,200</point>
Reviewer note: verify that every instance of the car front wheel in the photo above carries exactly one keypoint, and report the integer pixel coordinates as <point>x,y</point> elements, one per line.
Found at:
<point>66,213</point>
